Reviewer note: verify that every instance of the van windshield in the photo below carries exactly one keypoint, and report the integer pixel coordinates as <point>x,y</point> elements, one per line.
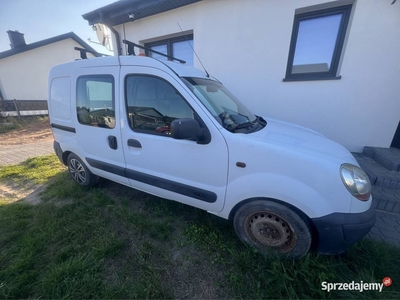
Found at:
<point>224,106</point>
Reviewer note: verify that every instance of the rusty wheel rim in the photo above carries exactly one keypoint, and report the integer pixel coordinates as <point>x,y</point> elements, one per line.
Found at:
<point>269,230</point>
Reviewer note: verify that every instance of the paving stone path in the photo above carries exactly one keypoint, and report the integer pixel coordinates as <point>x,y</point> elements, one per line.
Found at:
<point>387,228</point>
<point>383,168</point>
<point>11,155</point>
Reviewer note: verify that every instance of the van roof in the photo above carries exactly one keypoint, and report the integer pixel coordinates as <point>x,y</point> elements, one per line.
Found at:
<point>180,70</point>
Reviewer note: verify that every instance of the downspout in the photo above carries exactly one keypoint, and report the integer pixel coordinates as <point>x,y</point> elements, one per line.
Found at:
<point>119,49</point>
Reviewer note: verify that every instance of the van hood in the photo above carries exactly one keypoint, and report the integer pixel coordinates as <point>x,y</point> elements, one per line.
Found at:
<point>299,138</point>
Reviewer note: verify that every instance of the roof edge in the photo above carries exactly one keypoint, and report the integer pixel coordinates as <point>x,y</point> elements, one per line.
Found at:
<point>58,38</point>
<point>119,12</point>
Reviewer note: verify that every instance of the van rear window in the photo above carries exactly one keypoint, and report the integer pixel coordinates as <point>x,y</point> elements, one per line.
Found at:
<point>95,103</point>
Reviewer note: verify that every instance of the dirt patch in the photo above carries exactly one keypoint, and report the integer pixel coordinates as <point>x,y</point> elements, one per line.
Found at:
<point>34,197</point>
<point>31,131</point>
<point>26,192</point>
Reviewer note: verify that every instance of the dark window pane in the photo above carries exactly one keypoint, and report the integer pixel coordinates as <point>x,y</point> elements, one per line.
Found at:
<point>178,47</point>
<point>95,101</point>
<point>159,48</point>
<point>153,103</point>
<point>184,50</point>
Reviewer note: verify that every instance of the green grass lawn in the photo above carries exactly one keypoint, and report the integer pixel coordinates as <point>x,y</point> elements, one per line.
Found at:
<point>115,242</point>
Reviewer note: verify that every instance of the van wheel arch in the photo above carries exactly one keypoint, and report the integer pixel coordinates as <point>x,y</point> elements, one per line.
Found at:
<point>79,172</point>
<point>65,157</point>
<point>300,238</point>
<point>243,202</point>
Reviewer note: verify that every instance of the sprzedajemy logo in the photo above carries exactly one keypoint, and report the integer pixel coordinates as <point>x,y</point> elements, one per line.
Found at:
<point>356,286</point>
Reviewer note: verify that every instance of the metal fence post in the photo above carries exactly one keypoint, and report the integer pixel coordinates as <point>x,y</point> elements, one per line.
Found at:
<point>16,108</point>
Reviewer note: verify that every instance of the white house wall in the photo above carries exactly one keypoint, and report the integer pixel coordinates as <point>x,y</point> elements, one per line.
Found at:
<point>24,76</point>
<point>245,44</point>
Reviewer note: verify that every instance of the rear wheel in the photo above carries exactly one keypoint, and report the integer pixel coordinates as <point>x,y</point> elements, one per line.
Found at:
<point>267,225</point>
<point>79,172</point>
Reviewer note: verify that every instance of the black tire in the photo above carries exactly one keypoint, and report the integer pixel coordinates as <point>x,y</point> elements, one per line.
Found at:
<point>79,172</point>
<point>267,225</point>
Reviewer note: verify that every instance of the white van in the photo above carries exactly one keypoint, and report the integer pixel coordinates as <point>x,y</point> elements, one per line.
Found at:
<point>170,130</point>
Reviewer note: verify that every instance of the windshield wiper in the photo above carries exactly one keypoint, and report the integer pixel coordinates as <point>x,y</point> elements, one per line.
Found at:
<point>243,125</point>
<point>261,121</point>
<point>257,120</point>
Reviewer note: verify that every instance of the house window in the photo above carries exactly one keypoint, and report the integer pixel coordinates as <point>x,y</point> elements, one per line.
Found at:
<point>178,47</point>
<point>95,104</point>
<point>317,43</point>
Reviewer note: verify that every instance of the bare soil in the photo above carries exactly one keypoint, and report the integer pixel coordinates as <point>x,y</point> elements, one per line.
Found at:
<point>32,131</point>
<point>26,192</point>
<point>29,131</point>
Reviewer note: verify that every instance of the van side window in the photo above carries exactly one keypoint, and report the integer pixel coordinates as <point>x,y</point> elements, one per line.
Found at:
<point>95,103</point>
<point>153,103</point>
<point>60,98</point>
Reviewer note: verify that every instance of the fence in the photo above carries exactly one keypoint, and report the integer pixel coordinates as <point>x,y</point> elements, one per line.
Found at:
<point>23,108</point>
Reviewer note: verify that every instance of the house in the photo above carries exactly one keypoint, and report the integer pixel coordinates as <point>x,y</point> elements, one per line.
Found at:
<point>25,67</point>
<point>332,66</point>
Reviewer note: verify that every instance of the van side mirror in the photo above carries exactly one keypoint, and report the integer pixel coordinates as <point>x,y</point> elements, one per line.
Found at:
<point>188,129</point>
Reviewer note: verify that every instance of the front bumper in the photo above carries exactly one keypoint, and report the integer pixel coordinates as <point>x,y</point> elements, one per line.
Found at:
<point>338,231</point>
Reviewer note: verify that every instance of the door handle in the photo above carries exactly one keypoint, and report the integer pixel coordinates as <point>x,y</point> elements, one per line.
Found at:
<point>134,143</point>
<point>112,142</point>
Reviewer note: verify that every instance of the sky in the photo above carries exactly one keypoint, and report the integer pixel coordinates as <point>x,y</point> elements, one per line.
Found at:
<point>43,19</point>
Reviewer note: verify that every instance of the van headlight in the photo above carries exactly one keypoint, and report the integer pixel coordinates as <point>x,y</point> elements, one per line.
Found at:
<point>356,181</point>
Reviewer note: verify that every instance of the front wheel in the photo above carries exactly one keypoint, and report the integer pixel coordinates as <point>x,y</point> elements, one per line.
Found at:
<point>267,225</point>
<point>79,172</point>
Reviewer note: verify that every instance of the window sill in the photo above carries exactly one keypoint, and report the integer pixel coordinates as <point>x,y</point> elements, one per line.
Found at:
<point>311,78</point>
